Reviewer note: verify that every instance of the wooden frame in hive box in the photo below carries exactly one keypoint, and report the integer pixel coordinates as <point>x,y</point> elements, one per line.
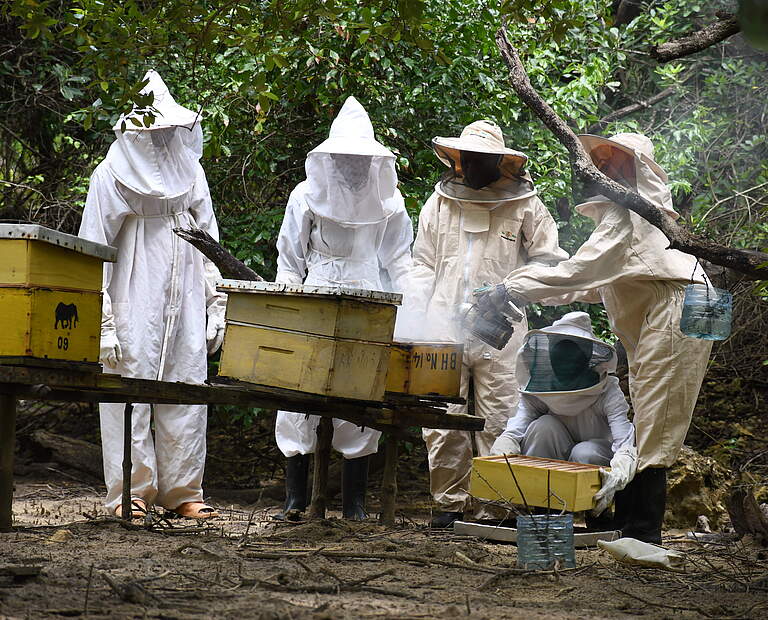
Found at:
<point>50,295</point>
<point>315,339</point>
<point>425,368</point>
<point>575,484</point>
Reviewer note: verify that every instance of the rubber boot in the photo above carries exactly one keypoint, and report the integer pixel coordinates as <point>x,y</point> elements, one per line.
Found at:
<point>442,519</point>
<point>603,522</point>
<point>296,471</point>
<point>354,483</point>
<point>649,491</point>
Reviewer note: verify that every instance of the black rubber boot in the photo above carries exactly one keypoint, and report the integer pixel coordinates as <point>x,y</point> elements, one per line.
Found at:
<point>649,499</point>
<point>354,483</point>
<point>442,519</point>
<point>600,523</point>
<point>296,471</point>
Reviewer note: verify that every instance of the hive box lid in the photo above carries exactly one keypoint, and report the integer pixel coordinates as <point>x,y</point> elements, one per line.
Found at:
<point>359,294</point>
<point>54,237</point>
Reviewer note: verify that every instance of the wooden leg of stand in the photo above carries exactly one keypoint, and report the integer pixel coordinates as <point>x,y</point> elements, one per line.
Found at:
<point>7,445</point>
<point>127,464</point>
<point>320,473</point>
<point>389,481</point>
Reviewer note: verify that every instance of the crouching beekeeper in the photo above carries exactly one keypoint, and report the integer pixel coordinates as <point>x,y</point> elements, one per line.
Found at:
<point>161,310</point>
<point>570,407</point>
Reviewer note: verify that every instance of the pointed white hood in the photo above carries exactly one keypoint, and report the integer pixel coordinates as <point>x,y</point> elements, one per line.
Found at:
<point>534,370</point>
<point>160,161</point>
<point>351,177</point>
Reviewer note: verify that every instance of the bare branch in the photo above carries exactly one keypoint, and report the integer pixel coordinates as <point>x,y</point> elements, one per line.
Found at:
<point>229,266</point>
<point>631,109</point>
<point>752,264</point>
<point>698,40</point>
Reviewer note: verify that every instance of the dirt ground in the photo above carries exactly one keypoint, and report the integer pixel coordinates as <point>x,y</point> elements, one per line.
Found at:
<point>245,565</point>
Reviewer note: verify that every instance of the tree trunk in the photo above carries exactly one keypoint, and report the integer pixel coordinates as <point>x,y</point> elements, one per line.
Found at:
<point>76,453</point>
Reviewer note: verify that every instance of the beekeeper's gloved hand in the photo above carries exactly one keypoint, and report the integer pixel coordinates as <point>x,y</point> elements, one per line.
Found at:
<point>214,332</point>
<point>110,352</point>
<point>505,444</point>
<point>623,468</point>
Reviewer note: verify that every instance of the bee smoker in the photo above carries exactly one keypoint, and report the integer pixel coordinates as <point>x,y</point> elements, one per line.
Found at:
<point>493,329</point>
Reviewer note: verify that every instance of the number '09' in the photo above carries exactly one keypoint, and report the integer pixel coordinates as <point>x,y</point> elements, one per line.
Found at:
<point>63,343</point>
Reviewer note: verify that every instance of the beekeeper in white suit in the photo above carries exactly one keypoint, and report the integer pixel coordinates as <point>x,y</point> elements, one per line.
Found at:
<point>625,264</point>
<point>161,310</point>
<point>483,220</point>
<point>570,408</point>
<point>343,225</point>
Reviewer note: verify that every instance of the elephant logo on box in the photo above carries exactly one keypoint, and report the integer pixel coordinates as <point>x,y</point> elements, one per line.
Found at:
<point>66,314</point>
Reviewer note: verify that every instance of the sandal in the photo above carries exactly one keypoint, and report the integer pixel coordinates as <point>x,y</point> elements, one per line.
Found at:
<point>138,509</point>
<point>194,510</point>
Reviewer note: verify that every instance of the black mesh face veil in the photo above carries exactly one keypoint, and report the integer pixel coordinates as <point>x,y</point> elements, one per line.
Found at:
<point>561,363</point>
<point>480,169</point>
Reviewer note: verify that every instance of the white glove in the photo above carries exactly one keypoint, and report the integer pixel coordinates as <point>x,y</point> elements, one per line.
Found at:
<point>214,334</point>
<point>623,467</point>
<point>110,352</point>
<point>505,444</point>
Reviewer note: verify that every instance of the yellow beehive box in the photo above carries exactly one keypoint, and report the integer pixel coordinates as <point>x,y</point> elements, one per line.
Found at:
<point>320,340</point>
<point>50,293</point>
<point>426,368</point>
<point>572,486</point>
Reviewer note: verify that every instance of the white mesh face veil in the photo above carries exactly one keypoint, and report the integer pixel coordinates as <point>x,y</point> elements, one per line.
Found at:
<point>153,162</point>
<point>352,190</point>
<point>563,363</point>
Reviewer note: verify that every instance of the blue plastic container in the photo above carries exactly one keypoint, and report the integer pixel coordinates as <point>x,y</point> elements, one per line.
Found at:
<point>707,312</point>
<point>544,541</point>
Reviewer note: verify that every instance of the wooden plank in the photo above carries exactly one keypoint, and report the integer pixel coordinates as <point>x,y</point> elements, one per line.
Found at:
<point>509,534</point>
<point>75,386</point>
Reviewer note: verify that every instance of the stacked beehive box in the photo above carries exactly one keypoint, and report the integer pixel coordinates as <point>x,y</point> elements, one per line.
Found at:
<point>560,485</point>
<point>314,339</point>
<point>425,368</point>
<point>50,295</point>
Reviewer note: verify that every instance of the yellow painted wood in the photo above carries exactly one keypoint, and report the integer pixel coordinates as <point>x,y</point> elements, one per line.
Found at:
<point>34,263</point>
<point>304,362</point>
<point>575,484</point>
<point>429,368</point>
<point>50,324</point>
<point>322,316</point>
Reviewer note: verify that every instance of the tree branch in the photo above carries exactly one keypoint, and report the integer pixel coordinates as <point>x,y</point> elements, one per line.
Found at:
<point>631,109</point>
<point>228,265</point>
<point>698,40</point>
<point>752,264</point>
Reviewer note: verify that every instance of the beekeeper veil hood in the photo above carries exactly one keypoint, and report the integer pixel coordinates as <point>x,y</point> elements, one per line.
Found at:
<point>627,158</point>
<point>351,177</point>
<point>564,365</point>
<point>482,168</point>
<point>160,160</point>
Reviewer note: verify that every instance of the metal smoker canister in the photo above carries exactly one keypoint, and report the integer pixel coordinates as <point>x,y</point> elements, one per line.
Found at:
<point>493,329</point>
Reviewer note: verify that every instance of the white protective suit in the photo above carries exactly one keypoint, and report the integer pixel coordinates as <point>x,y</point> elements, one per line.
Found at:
<point>625,265</point>
<point>343,225</point>
<point>586,425</point>
<point>461,245</point>
<point>157,296</point>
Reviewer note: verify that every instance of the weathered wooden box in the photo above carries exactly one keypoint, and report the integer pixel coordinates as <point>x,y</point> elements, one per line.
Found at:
<point>315,339</point>
<point>427,368</point>
<point>50,295</point>
<point>572,485</point>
